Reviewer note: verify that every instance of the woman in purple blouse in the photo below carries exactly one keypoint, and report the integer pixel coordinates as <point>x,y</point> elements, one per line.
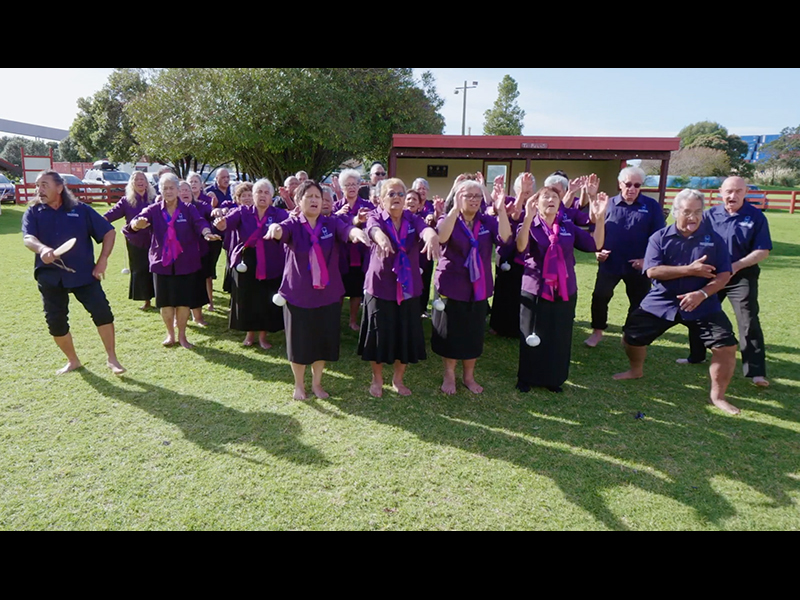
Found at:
<point>256,266</point>
<point>391,329</point>
<point>354,261</point>
<point>139,194</point>
<point>312,285</point>
<point>464,281</point>
<point>547,240</point>
<point>175,233</point>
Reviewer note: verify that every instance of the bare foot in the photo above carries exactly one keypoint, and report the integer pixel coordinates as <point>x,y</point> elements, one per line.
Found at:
<point>761,382</point>
<point>355,327</point>
<point>725,406</point>
<point>201,324</point>
<point>145,306</point>
<point>473,387</point>
<point>116,368</point>
<point>449,386</point>
<point>682,361</point>
<point>320,393</point>
<point>300,394</point>
<point>401,389</point>
<point>595,339</point>
<point>265,345</point>
<point>376,389</point>
<point>249,341</point>
<point>69,368</point>
<point>185,343</point>
<point>168,343</point>
<point>628,375</point>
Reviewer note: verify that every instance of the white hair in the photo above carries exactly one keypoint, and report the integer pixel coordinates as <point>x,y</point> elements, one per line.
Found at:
<point>518,184</point>
<point>684,196</point>
<point>264,183</point>
<point>421,181</point>
<point>348,174</point>
<point>557,181</point>
<point>631,171</point>
<point>169,177</point>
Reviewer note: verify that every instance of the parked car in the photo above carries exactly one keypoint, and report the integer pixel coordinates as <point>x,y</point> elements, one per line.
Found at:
<point>71,181</point>
<point>7,190</point>
<point>105,174</point>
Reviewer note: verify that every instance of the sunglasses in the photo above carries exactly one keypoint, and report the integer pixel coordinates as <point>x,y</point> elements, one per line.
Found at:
<point>629,185</point>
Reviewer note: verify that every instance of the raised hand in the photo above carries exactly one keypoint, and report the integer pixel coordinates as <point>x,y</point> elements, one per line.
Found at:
<point>275,232</point>
<point>599,205</point>
<point>592,185</point>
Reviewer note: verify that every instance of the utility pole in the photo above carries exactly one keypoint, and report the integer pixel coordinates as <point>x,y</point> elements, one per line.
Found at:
<point>464,119</point>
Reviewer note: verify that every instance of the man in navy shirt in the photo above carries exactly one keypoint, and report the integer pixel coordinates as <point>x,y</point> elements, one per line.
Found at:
<point>689,264</point>
<point>630,221</point>
<point>53,218</point>
<point>220,192</point>
<point>745,230</point>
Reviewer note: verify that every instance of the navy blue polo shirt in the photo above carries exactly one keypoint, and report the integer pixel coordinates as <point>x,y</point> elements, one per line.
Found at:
<point>743,232</point>
<point>628,231</point>
<point>221,197</point>
<point>669,248</point>
<point>55,227</point>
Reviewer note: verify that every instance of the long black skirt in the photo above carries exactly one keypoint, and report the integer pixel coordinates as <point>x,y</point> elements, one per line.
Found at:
<point>312,334</point>
<point>353,282</point>
<point>391,333</point>
<point>252,308</point>
<point>459,331</point>
<point>141,285</point>
<point>547,365</point>
<point>210,260</point>
<point>505,305</point>
<point>172,291</point>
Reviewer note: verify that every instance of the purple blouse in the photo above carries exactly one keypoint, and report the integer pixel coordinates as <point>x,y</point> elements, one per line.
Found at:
<point>381,280</point>
<point>452,275</point>
<point>356,255</point>
<point>570,237</point>
<point>189,228</point>
<point>297,286</point>
<point>243,221</point>
<point>123,208</point>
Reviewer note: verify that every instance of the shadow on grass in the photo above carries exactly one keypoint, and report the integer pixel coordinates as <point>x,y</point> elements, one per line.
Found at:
<point>213,426</point>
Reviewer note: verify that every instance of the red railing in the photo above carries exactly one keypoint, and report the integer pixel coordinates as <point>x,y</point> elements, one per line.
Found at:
<point>763,199</point>
<point>88,194</point>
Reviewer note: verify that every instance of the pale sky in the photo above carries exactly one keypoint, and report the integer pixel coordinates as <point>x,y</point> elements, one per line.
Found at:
<point>616,102</point>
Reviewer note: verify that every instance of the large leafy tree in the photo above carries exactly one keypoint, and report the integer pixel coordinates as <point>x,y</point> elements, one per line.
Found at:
<point>102,128</point>
<point>12,148</point>
<point>785,151</point>
<point>708,134</point>
<point>505,117</point>
<point>275,121</point>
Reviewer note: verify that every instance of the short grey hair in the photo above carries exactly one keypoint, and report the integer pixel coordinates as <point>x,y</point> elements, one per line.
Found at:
<point>557,180</point>
<point>421,181</point>
<point>518,184</point>
<point>169,177</point>
<point>685,195</point>
<point>348,174</point>
<point>631,171</point>
<point>264,183</point>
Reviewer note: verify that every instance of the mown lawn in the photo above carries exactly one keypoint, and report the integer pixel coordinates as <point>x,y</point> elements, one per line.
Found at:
<point>211,439</point>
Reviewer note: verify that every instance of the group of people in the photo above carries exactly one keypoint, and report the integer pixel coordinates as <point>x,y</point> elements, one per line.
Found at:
<point>293,258</point>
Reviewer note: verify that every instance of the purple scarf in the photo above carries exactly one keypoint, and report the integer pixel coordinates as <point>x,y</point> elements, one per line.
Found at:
<point>316,259</point>
<point>172,247</point>
<point>402,264</point>
<point>256,240</point>
<point>477,273</point>
<point>554,269</point>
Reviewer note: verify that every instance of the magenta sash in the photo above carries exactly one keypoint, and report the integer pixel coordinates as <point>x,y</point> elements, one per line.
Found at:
<point>477,272</point>
<point>172,247</point>
<point>554,269</point>
<point>316,259</point>
<point>256,240</point>
<point>402,264</point>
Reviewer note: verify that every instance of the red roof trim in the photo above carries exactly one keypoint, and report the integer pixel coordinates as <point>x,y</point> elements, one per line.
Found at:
<point>536,143</point>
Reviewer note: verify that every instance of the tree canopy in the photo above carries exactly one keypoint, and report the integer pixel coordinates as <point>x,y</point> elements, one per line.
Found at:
<point>785,151</point>
<point>505,117</point>
<point>708,134</point>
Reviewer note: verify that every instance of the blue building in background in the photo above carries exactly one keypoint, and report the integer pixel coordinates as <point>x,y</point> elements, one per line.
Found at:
<point>754,145</point>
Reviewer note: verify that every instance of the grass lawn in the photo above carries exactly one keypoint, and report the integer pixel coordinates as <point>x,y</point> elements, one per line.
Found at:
<point>211,439</point>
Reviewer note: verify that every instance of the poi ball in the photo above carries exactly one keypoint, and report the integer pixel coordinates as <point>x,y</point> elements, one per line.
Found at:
<point>278,300</point>
<point>439,305</point>
<point>533,340</point>
<point>126,271</point>
<point>241,267</point>
<point>505,267</point>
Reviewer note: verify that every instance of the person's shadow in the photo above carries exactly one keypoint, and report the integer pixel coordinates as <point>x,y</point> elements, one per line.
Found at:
<point>213,426</point>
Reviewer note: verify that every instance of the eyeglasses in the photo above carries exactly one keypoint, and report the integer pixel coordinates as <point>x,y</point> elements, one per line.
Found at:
<point>630,185</point>
<point>473,196</point>
<point>396,195</point>
<point>379,174</point>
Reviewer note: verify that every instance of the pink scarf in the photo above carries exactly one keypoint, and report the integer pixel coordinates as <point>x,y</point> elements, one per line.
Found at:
<point>477,273</point>
<point>172,247</point>
<point>554,269</point>
<point>316,259</point>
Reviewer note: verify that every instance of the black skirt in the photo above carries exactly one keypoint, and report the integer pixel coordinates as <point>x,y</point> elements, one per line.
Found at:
<point>210,260</point>
<point>547,365</point>
<point>312,334</point>
<point>391,333</point>
<point>459,331</point>
<point>252,308</point>
<point>172,291</point>
<point>505,305</point>
<point>353,282</point>
<point>141,285</point>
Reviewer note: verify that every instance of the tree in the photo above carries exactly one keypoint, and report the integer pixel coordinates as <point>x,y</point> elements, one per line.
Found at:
<point>13,146</point>
<point>276,121</point>
<point>708,134</point>
<point>506,117</point>
<point>784,153</point>
<point>699,162</point>
<point>102,128</point>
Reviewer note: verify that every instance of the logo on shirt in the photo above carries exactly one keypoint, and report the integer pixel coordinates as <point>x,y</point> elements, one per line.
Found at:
<point>707,242</point>
<point>326,235</point>
<point>73,214</point>
<point>565,233</point>
<point>484,231</point>
<point>747,223</point>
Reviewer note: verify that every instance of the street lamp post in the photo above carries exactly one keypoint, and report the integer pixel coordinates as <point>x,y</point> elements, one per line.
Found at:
<point>458,90</point>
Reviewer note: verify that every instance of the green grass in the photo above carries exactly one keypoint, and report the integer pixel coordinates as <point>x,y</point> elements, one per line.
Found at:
<point>211,439</point>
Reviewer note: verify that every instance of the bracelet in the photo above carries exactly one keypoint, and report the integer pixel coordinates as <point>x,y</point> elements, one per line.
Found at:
<point>704,293</point>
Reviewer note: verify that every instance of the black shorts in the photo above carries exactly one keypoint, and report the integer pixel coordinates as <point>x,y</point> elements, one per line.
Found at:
<point>56,306</point>
<point>644,328</point>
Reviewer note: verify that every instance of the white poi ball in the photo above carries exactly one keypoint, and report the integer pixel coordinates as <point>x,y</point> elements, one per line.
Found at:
<point>126,271</point>
<point>278,300</point>
<point>533,340</point>
<point>241,267</point>
<point>439,305</point>
<point>505,267</point>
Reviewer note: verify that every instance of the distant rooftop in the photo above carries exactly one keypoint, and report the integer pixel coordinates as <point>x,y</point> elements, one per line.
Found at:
<point>34,131</point>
